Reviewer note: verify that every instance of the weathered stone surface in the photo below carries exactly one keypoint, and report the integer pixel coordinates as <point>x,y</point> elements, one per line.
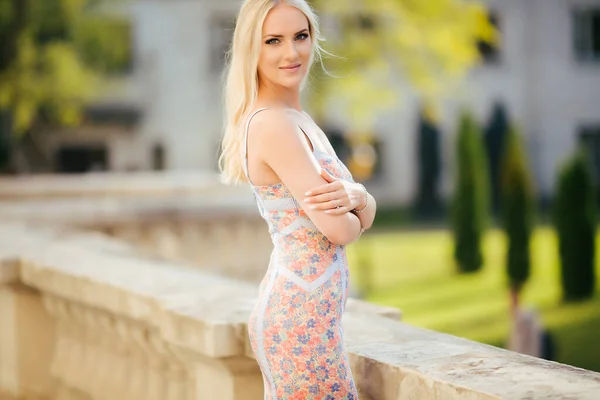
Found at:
<point>362,307</point>
<point>119,210</point>
<point>114,184</point>
<point>442,366</point>
<point>196,221</point>
<point>127,319</point>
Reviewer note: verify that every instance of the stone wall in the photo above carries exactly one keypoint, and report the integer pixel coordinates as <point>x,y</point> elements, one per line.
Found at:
<point>87,317</point>
<point>185,217</point>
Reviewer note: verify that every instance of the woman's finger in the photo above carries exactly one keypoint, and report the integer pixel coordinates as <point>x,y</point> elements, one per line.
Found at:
<point>321,189</point>
<point>326,197</point>
<point>337,211</point>
<point>327,205</point>
<point>327,176</point>
<point>326,188</point>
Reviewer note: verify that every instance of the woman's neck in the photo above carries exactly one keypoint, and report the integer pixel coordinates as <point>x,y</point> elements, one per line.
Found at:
<point>269,94</point>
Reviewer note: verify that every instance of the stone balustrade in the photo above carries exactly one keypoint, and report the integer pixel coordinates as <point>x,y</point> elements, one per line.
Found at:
<point>114,184</point>
<point>184,217</point>
<point>88,317</point>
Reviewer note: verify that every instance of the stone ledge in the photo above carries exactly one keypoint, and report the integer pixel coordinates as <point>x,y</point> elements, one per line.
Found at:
<point>9,271</point>
<point>99,198</point>
<point>392,357</point>
<point>362,307</point>
<point>119,184</point>
<point>207,315</point>
<point>111,210</point>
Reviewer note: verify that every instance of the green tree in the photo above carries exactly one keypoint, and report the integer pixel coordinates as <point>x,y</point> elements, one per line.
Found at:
<point>429,159</point>
<point>495,137</point>
<point>575,220</point>
<point>470,203</point>
<point>52,55</point>
<point>517,209</point>
<point>379,44</point>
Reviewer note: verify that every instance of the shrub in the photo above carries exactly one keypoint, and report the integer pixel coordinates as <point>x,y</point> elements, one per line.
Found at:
<point>495,138</point>
<point>575,220</point>
<point>427,201</point>
<point>517,208</point>
<point>470,204</point>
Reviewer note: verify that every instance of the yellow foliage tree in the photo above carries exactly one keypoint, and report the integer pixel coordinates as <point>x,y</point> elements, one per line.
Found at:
<point>52,56</point>
<point>378,44</point>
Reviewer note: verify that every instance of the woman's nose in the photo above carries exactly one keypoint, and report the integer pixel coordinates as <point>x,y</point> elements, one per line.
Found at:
<point>292,51</point>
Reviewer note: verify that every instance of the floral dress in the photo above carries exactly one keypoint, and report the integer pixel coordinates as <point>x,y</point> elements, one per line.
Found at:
<point>295,327</point>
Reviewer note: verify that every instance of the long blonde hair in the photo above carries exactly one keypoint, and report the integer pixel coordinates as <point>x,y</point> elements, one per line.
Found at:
<point>241,85</point>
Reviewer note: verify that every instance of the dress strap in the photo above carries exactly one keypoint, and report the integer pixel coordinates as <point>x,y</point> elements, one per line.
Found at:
<point>312,144</point>
<point>245,164</point>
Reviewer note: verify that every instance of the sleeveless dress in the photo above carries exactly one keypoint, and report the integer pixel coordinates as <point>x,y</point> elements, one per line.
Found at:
<point>295,327</point>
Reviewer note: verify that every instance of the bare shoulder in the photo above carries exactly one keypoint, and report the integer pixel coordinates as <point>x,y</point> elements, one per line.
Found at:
<point>275,129</point>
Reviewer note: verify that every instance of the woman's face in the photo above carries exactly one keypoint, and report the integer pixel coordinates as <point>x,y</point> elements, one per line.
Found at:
<point>286,47</point>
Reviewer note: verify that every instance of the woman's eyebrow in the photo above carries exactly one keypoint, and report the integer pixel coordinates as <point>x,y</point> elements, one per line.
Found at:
<point>280,36</point>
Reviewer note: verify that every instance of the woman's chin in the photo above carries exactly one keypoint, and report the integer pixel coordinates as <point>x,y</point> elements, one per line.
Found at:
<point>291,83</point>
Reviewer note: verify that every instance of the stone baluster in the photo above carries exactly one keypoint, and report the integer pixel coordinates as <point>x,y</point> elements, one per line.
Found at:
<point>171,374</point>
<point>67,359</point>
<point>10,384</point>
<point>104,357</point>
<point>192,245</point>
<point>214,351</point>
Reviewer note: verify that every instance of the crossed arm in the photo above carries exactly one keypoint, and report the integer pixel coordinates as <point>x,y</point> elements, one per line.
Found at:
<point>281,145</point>
<point>349,196</point>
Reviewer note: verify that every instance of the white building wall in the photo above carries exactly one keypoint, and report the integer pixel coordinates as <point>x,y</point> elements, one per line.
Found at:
<point>564,94</point>
<point>504,81</point>
<point>172,37</point>
<point>544,89</point>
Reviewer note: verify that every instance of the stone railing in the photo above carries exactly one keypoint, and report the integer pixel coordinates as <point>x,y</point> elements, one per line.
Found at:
<point>88,317</point>
<point>114,184</point>
<point>184,217</point>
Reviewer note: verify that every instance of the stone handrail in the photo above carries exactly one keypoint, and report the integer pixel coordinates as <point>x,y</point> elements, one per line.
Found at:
<point>88,317</point>
<point>100,184</point>
<point>216,228</point>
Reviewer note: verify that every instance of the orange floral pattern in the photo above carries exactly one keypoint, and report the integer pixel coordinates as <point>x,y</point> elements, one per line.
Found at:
<point>295,327</point>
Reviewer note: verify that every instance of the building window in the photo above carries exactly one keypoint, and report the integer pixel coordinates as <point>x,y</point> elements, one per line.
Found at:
<point>80,159</point>
<point>590,139</point>
<point>490,52</point>
<point>586,34</point>
<point>221,31</point>
<point>158,157</point>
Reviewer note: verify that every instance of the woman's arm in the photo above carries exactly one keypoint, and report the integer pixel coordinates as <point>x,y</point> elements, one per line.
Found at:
<point>282,146</point>
<point>367,216</point>
<point>349,196</point>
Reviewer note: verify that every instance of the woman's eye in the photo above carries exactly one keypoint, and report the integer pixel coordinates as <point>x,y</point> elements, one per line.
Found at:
<point>302,36</point>
<point>272,41</point>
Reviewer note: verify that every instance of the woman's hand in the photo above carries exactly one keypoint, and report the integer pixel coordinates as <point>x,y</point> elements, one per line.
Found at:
<point>335,197</point>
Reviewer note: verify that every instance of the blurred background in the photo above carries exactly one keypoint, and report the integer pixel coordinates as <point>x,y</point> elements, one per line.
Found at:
<point>476,126</point>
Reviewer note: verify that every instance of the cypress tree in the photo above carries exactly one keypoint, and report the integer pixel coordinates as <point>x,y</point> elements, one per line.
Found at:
<point>495,138</point>
<point>428,147</point>
<point>517,209</point>
<point>575,221</point>
<point>470,204</point>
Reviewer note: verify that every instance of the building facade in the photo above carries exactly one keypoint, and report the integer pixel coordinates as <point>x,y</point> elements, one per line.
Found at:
<point>545,71</point>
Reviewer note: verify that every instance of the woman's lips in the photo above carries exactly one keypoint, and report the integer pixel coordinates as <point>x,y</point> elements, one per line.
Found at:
<point>291,68</point>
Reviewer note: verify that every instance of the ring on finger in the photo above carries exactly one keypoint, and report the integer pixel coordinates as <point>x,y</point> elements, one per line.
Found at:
<point>337,201</point>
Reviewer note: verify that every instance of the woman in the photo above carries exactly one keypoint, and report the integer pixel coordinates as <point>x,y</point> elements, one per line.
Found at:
<point>307,196</point>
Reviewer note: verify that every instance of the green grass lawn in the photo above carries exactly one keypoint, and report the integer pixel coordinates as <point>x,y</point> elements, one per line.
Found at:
<point>415,272</point>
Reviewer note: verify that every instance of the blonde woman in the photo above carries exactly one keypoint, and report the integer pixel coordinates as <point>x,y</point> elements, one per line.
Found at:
<point>311,204</point>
